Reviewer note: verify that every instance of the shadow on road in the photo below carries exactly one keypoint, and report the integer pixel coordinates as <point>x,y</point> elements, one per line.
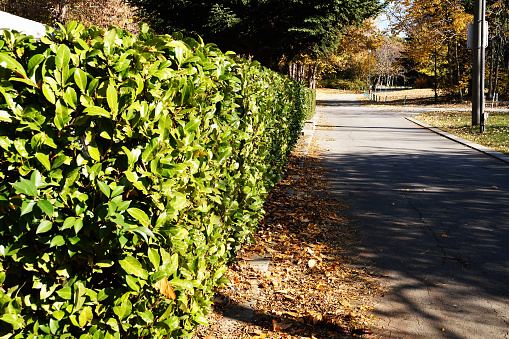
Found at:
<point>438,223</point>
<point>338,103</point>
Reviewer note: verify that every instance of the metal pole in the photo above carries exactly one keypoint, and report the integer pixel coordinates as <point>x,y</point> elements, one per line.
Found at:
<point>478,66</point>
<point>436,81</point>
<point>483,65</point>
<point>369,71</point>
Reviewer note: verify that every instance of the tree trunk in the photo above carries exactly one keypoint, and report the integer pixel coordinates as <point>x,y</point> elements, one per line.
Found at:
<point>458,71</point>
<point>59,12</point>
<point>490,79</point>
<point>497,66</point>
<point>313,70</point>
<point>450,67</point>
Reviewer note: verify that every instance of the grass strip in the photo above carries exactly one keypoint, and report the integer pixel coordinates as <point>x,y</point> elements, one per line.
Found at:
<point>495,136</point>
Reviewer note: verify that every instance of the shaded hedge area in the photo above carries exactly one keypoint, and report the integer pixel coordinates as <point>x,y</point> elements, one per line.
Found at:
<point>131,170</point>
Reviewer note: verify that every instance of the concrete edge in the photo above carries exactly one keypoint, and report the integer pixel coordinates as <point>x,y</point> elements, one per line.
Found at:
<point>500,156</point>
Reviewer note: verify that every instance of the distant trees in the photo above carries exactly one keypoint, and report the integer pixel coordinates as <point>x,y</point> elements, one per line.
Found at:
<point>387,68</point>
<point>436,33</point>
<point>293,33</point>
<point>436,39</point>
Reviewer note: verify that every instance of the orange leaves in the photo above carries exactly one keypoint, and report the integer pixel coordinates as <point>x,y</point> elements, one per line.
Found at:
<point>165,289</point>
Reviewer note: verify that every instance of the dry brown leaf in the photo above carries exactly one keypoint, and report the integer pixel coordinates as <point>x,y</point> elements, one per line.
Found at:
<point>344,303</point>
<point>165,288</point>
<point>278,327</point>
<point>314,317</point>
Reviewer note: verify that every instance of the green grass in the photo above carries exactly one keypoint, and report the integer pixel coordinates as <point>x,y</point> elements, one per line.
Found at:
<point>495,136</point>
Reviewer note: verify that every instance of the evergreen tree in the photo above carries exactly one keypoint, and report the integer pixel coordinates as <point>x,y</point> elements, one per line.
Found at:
<point>264,29</point>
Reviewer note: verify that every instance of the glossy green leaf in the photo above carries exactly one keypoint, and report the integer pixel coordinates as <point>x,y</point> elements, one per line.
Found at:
<point>153,256</point>
<point>124,310</point>
<point>48,93</point>
<point>68,223</point>
<point>144,232</point>
<point>182,284</point>
<point>78,225</point>
<point>79,296</point>
<point>80,77</point>
<point>112,98</point>
<point>104,263</point>
<point>44,160</point>
<point>93,151</point>
<point>6,61</point>
<point>132,282</point>
<point>19,144</point>
<point>46,207</point>
<point>192,125</point>
<point>59,315</point>
<point>117,191</point>
<point>85,316</point>
<point>132,266</point>
<point>16,320</point>
<point>62,115</point>
<point>26,186</point>
<point>104,188</point>
<point>34,61</point>
<point>57,241</point>
<point>139,215</point>
<point>70,97</point>
<point>44,227</point>
<point>63,56</point>
<point>149,150</point>
<point>27,206</point>
<point>97,111</point>
<point>65,293</point>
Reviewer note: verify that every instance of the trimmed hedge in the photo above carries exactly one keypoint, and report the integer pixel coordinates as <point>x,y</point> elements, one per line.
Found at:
<point>311,100</point>
<point>131,170</point>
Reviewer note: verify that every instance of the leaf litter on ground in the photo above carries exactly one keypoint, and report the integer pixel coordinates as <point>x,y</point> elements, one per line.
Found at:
<point>312,289</point>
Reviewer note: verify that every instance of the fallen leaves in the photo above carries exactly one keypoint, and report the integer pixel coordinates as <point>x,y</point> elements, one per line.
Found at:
<point>311,289</point>
<point>312,263</point>
<point>278,327</point>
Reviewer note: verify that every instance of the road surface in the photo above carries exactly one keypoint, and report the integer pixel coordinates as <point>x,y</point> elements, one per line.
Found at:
<point>434,216</point>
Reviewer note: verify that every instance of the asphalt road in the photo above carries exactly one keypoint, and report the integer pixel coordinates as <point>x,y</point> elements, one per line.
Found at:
<point>434,217</point>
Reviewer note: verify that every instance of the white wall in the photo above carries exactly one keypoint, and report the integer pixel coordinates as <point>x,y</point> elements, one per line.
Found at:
<point>29,27</point>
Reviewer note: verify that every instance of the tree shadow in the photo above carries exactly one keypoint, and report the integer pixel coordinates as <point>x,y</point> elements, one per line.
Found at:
<point>436,222</point>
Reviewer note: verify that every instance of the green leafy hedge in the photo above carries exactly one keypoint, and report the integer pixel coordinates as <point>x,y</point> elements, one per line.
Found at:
<point>311,100</point>
<point>131,169</point>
